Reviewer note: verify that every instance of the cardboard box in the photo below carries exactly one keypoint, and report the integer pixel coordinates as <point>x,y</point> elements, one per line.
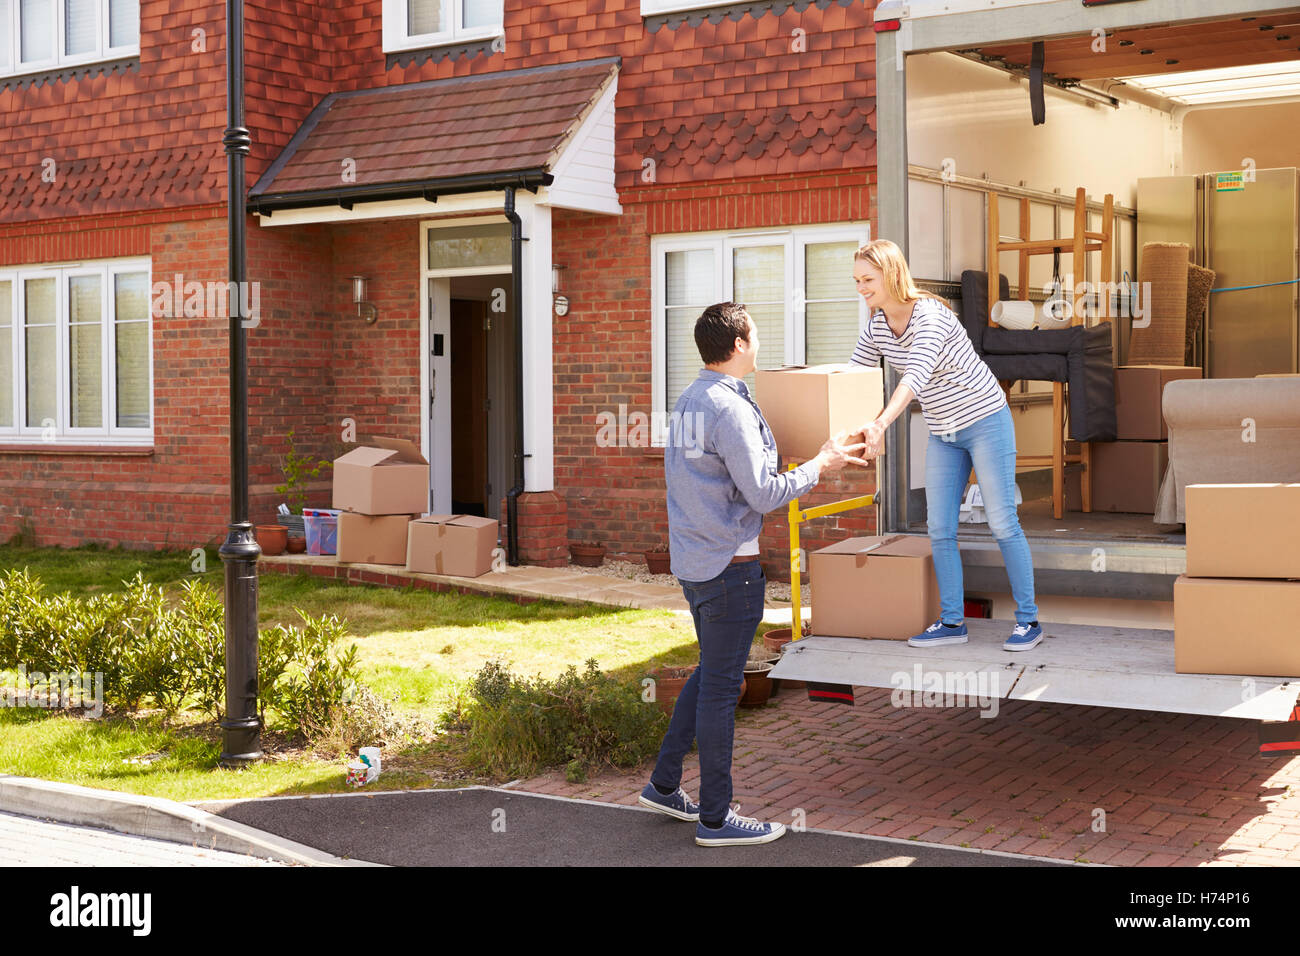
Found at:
<point>386,476</point>
<point>1244,531</point>
<point>1138,392</point>
<point>1236,626</point>
<point>372,539</point>
<point>805,405</point>
<point>881,587</point>
<point>1126,477</point>
<point>460,545</point>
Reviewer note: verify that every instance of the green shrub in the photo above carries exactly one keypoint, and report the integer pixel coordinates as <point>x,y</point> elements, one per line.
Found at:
<point>515,727</point>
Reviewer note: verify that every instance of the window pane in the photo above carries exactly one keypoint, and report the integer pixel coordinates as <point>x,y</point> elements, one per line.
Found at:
<point>131,334</point>
<point>36,18</point>
<point>123,22</point>
<point>832,332</point>
<point>80,30</point>
<point>690,287</point>
<point>6,38</point>
<point>759,283</point>
<point>423,16</point>
<point>85,353</point>
<point>41,352</point>
<point>831,327</point>
<point>470,246</point>
<point>6,355</point>
<point>481,13</point>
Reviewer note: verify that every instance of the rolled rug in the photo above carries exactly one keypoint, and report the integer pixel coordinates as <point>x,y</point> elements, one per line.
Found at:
<point>1159,336</point>
<point>1014,314</point>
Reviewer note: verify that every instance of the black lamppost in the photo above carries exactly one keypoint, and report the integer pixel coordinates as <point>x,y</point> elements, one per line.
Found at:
<point>241,728</point>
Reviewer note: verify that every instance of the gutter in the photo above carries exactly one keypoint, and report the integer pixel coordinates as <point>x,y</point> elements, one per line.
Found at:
<point>431,189</point>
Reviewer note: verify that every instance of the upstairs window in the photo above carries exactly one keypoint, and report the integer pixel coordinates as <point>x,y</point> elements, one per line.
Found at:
<point>39,35</point>
<point>413,24</point>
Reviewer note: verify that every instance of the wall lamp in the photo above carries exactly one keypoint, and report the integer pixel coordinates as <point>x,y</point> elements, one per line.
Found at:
<point>365,310</point>
<point>557,282</point>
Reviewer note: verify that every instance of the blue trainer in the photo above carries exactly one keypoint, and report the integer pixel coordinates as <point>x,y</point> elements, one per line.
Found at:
<point>1024,637</point>
<point>738,831</point>
<point>938,634</point>
<point>677,804</point>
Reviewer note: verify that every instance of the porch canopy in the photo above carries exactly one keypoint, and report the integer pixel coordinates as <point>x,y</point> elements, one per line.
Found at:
<point>545,128</point>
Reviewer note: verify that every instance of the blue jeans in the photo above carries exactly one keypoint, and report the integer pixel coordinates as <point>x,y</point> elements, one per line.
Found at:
<point>727,611</point>
<point>990,446</point>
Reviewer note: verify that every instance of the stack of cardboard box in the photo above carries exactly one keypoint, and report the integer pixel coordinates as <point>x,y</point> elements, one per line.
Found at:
<point>378,488</point>
<point>1237,609</point>
<point>1126,473</point>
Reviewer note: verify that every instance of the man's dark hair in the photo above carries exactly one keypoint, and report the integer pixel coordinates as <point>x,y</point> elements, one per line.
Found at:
<point>717,329</point>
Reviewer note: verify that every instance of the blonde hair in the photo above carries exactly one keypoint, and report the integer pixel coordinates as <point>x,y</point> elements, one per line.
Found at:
<point>888,258</point>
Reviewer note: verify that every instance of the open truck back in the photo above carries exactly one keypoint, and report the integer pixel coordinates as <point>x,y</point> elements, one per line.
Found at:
<point>1156,103</point>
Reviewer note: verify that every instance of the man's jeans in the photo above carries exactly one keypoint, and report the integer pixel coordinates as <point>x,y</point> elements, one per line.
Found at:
<point>990,445</point>
<point>727,612</point>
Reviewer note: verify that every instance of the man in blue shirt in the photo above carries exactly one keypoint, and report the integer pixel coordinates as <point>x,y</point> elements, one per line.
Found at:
<point>720,464</point>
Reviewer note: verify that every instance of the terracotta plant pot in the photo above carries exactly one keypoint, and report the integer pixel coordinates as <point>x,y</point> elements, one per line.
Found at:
<point>658,562</point>
<point>587,555</point>
<point>669,682</point>
<point>758,684</point>
<point>776,640</point>
<point>297,545</point>
<point>273,538</point>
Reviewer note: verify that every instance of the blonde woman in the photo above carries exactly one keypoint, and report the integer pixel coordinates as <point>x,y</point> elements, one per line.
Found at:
<point>970,425</point>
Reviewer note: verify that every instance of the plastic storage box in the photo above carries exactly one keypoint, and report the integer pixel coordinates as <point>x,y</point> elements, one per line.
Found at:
<point>322,530</point>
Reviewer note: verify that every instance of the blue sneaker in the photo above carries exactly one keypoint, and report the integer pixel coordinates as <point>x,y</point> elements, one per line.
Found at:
<point>938,634</point>
<point>738,831</point>
<point>677,804</point>
<point>1024,637</point>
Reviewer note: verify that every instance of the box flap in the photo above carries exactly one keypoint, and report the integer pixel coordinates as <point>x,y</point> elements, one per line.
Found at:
<point>365,456</point>
<point>905,546</point>
<point>865,545</point>
<point>436,519</point>
<point>406,451</point>
<point>828,369</point>
<point>472,521</point>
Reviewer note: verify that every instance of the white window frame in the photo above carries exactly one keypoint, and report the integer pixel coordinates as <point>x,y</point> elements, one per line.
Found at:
<point>795,239</point>
<point>651,8</point>
<point>108,433</point>
<point>394,32</point>
<point>9,11</point>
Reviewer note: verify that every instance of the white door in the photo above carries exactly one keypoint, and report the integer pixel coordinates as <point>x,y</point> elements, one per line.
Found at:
<point>438,391</point>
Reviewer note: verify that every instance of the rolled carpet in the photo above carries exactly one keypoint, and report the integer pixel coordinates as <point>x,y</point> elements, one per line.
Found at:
<point>1159,336</point>
<point>1199,283</point>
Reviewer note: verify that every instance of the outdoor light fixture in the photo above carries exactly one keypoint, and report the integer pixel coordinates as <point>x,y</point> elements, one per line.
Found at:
<point>561,301</point>
<point>365,310</point>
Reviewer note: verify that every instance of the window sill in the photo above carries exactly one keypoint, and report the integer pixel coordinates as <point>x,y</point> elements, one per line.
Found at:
<point>55,448</point>
<point>715,12</point>
<point>71,72</point>
<point>452,50</point>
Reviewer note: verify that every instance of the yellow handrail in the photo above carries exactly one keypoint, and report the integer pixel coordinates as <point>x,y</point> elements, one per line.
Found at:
<point>797,517</point>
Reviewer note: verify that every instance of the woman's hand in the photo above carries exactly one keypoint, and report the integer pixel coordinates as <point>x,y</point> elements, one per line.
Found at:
<point>873,433</point>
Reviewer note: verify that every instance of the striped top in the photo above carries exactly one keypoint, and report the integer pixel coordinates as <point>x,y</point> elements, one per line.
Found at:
<point>939,364</point>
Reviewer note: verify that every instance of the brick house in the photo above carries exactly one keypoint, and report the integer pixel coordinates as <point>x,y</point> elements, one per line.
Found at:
<point>659,156</point>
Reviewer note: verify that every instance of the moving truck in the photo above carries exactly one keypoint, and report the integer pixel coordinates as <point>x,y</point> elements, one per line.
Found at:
<point>1179,110</point>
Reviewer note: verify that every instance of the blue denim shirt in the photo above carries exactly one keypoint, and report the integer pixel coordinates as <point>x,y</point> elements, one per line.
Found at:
<point>720,465</point>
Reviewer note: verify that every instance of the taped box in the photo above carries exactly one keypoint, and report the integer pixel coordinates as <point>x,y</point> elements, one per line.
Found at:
<point>1241,626</point>
<point>459,545</point>
<point>1243,531</point>
<point>372,539</point>
<point>385,476</point>
<point>874,587</point>
<point>807,404</point>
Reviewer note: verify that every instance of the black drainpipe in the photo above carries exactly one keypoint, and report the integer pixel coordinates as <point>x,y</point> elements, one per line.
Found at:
<point>517,294</point>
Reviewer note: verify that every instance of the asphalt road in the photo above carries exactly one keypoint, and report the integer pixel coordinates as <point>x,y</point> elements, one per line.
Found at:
<point>490,827</point>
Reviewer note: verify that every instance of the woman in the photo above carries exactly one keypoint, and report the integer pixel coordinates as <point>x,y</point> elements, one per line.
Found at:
<point>970,424</point>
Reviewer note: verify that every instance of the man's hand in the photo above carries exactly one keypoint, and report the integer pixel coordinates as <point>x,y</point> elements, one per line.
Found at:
<point>839,450</point>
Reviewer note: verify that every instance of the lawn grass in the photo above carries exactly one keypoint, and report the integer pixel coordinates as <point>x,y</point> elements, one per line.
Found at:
<point>415,647</point>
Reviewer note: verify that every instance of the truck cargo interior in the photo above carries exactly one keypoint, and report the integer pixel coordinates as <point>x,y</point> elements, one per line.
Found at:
<point>1192,131</point>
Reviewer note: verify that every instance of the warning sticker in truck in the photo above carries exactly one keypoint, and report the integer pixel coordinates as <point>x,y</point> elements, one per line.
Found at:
<point>1230,182</point>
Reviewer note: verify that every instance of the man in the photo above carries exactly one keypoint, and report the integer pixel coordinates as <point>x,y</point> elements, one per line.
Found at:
<point>721,470</point>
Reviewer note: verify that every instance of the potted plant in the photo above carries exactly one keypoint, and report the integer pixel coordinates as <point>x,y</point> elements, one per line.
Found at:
<point>760,654</point>
<point>297,469</point>
<point>669,682</point>
<point>776,640</point>
<point>587,554</point>
<point>272,538</point>
<point>658,560</point>
<point>758,684</point>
